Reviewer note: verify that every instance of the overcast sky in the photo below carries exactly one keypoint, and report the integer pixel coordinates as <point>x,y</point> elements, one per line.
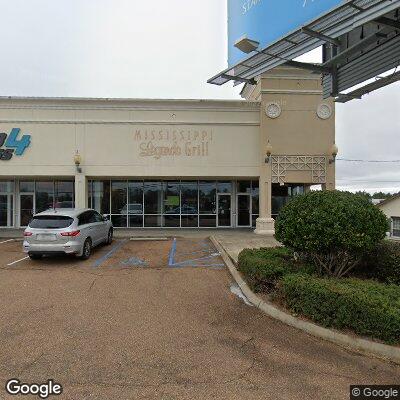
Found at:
<point>166,49</point>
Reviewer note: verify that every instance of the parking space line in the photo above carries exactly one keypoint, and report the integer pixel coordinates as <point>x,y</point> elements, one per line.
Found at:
<point>6,241</point>
<point>171,257</point>
<point>106,256</point>
<point>17,261</point>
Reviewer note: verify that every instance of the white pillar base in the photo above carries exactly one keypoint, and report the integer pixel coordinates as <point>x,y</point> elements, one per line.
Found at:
<point>265,226</point>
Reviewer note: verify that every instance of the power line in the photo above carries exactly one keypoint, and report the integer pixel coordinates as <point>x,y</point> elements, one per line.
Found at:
<point>366,181</point>
<point>368,161</point>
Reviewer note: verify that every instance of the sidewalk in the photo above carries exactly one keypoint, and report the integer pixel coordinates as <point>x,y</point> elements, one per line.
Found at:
<point>235,241</point>
<point>11,233</point>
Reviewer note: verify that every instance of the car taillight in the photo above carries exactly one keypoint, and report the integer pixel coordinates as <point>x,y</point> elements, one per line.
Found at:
<point>27,233</point>
<point>73,233</point>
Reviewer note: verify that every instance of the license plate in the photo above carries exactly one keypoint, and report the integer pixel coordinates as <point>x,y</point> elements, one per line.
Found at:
<point>46,237</point>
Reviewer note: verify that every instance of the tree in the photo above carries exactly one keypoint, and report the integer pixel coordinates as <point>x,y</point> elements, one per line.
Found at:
<point>333,229</point>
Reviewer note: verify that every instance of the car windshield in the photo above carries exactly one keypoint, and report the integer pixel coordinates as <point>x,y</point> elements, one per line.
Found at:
<point>51,222</point>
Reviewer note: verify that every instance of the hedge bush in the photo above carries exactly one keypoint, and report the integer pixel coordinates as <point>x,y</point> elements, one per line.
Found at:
<point>333,228</point>
<point>264,267</point>
<point>383,262</point>
<point>367,307</point>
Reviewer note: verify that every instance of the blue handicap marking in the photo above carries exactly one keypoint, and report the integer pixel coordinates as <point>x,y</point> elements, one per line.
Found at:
<point>134,262</point>
<point>207,257</point>
<point>108,255</point>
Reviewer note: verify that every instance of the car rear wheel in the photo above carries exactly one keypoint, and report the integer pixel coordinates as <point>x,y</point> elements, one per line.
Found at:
<point>87,249</point>
<point>109,237</point>
<point>35,256</point>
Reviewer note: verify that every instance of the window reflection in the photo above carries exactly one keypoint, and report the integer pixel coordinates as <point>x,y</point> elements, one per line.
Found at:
<point>119,198</point>
<point>44,196</point>
<point>135,207</point>
<point>282,194</point>
<point>172,201</point>
<point>153,197</point>
<point>224,187</point>
<point>101,196</point>
<point>188,204</point>
<point>207,197</point>
<point>190,197</point>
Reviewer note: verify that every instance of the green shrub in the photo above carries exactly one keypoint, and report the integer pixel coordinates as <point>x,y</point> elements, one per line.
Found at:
<point>334,229</point>
<point>383,262</point>
<point>367,307</point>
<point>264,267</point>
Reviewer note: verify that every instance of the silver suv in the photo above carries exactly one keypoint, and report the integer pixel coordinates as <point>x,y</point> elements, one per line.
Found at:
<point>66,231</point>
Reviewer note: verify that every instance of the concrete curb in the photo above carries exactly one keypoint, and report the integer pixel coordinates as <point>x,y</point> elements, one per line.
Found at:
<point>369,347</point>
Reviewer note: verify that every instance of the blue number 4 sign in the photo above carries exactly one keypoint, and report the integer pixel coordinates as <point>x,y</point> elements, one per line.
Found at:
<point>19,145</point>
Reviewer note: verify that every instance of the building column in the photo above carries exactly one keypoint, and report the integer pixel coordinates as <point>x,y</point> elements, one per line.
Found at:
<point>330,183</point>
<point>80,191</point>
<point>265,224</point>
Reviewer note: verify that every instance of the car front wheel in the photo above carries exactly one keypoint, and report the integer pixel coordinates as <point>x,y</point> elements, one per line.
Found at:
<point>87,249</point>
<point>109,237</point>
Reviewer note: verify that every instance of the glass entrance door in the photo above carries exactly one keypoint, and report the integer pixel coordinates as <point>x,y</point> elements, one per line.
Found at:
<point>6,210</point>
<point>26,208</point>
<point>243,210</point>
<point>224,210</point>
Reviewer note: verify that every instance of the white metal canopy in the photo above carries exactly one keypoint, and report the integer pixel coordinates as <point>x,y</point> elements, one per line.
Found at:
<point>327,28</point>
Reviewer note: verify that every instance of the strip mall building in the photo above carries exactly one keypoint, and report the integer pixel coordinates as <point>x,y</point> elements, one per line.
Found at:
<point>169,163</point>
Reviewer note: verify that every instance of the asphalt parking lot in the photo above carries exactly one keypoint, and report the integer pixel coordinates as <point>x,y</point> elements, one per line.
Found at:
<point>157,320</point>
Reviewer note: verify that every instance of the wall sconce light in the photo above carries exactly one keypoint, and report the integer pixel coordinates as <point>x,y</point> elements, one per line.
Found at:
<point>334,152</point>
<point>268,152</point>
<point>77,161</point>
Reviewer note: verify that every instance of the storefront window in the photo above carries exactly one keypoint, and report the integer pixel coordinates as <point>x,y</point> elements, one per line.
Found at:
<point>281,195</point>
<point>255,201</point>
<point>152,221</point>
<point>172,204</point>
<point>243,186</point>
<point>44,196</point>
<point>207,221</point>
<point>255,193</point>
<point>6,187</point>
<point>119,197</point>
<point>172,221</point>
<point>6,204</point>
<point>207,197</point>
<point>64,194</point>
<point>190,198</point>
<point>190,221</point>
<point>153,197</point>
<point>224,187</point>
<point>27,187</point>
<point>100,191</point>
<point>172,200</point>
<point>119,221</point>
<point>135,193</point>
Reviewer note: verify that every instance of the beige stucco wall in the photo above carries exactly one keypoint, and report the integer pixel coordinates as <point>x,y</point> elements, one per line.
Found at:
<point>391,208</point>
<point>302,139</point>
<point>138,138</point>
<point>180,138</point>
